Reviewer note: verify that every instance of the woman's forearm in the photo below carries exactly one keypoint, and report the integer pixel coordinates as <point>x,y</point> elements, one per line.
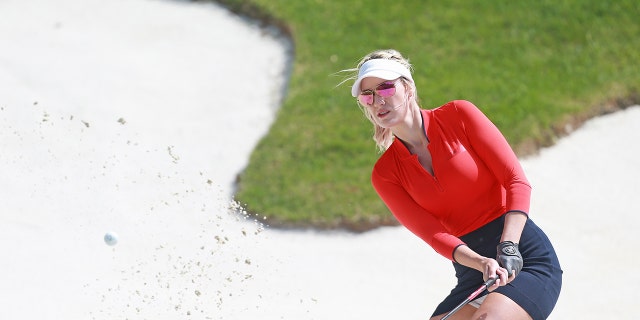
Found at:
<point>469,258</point>
<point>514,222</point>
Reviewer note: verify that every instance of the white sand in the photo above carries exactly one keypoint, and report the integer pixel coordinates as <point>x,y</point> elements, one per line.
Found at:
<point>135,117</point>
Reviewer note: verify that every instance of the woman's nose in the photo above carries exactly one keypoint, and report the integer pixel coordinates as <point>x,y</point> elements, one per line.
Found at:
<point>378,100</point>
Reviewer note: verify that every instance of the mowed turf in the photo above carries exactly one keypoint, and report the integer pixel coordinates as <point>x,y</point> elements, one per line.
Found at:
<point>536,68</point>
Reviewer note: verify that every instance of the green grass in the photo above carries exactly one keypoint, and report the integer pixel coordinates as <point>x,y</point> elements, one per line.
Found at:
<point>531,66</point>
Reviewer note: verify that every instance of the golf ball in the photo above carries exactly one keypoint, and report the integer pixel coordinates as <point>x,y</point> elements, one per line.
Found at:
<point>111,238</point>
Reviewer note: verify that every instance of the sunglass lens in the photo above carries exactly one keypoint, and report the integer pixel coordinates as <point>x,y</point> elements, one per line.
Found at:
<point>366,98</point>
<point>386,89</point>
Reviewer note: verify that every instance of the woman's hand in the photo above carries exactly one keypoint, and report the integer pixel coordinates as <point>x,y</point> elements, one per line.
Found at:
<point>492,269</point>
<point>489,267</point>
<point>509,257</point>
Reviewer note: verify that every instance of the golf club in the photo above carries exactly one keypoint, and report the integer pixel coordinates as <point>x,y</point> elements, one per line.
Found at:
<point>472,296</point>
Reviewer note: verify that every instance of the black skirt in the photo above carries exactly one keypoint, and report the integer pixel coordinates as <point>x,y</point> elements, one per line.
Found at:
<point>536,288</point>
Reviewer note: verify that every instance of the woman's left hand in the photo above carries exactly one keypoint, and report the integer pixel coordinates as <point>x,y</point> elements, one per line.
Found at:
<point>509,257</point>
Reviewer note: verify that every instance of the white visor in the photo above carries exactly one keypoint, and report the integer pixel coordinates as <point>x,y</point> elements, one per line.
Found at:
<point>380,68</point>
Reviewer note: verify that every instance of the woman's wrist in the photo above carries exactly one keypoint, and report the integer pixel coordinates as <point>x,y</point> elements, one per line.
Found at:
<point>469,258</point>
<point>514,222</point>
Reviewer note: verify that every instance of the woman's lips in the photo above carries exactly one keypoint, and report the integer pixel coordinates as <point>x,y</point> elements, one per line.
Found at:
<point>382,114</point>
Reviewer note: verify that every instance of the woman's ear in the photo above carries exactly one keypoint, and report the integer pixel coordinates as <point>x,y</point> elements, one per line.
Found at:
<point>408,88</point>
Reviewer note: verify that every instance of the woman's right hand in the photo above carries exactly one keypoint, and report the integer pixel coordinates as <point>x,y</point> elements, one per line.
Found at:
<point>493,270</point>
<point>488,266</point>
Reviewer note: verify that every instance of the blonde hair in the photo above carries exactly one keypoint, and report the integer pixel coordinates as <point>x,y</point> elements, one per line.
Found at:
<point>382,136</point>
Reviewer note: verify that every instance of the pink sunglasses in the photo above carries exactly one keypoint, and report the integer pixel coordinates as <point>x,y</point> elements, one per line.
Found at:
<point>385,90</point>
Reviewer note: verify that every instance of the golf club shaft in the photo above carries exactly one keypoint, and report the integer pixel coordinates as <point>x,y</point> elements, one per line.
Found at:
<point>472,296</point>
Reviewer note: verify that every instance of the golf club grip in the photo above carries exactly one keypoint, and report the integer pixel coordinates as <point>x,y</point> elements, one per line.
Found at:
<point>485,286</point>
<point>490,282</point>
<point>472,296</point>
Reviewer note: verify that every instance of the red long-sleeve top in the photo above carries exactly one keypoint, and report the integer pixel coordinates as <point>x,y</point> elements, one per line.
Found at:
<point>477,177</point>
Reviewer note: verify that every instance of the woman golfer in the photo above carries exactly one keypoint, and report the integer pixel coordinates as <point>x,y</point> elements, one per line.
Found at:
<point>448,175</point>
